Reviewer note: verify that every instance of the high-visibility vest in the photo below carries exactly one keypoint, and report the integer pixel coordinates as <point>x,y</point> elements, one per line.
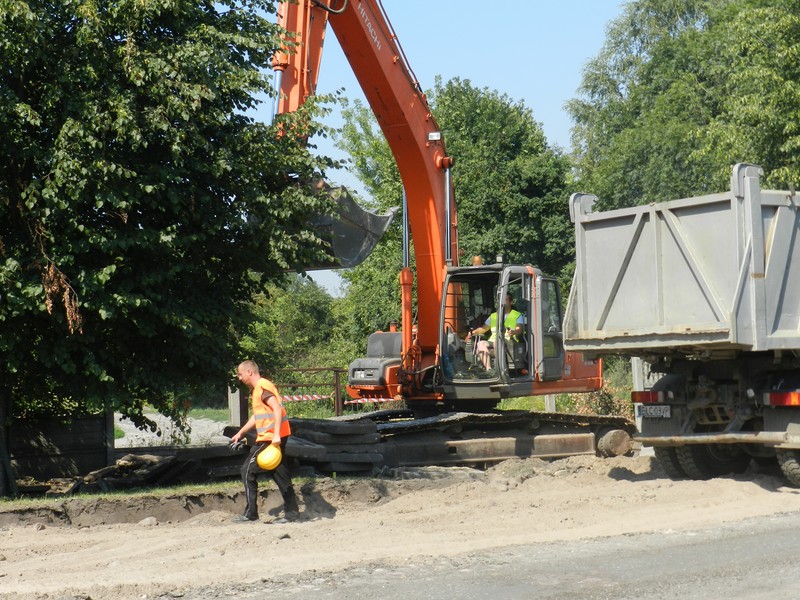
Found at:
<point>265,417</point>
<point>510,322</point>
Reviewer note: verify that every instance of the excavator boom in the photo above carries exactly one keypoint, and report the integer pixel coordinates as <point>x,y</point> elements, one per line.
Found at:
<point>401,109</point>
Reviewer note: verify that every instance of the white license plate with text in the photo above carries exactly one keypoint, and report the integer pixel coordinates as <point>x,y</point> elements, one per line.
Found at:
<point>654,411</point>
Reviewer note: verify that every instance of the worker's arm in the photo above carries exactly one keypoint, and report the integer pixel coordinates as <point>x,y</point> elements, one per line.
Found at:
<point>251,422</point>
<point>273,403</point>
<point>480,330</point>
<point>519,327</point>
<point>477,331</point>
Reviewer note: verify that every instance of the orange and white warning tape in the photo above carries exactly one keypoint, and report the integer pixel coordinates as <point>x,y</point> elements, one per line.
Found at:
<point>304,397</point>
<point>368,400</point>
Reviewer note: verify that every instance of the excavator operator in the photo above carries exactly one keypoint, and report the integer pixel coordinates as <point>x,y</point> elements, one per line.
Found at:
<point>513,325</point>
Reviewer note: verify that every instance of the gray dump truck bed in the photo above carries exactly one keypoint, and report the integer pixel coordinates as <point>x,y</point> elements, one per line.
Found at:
<point>705,274</point>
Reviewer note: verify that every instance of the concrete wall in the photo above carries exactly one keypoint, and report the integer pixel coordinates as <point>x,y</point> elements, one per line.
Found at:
<point>44,449</point>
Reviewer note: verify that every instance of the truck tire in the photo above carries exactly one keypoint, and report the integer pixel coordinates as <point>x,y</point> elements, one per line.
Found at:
<point>704,461</point>
<point>789,460</point>
<point>668,458</point>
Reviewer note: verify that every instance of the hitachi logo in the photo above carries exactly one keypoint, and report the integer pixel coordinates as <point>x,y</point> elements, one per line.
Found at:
<point>370,29</point>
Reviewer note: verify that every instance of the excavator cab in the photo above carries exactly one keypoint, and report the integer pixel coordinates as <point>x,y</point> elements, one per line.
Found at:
<point>500,362</point>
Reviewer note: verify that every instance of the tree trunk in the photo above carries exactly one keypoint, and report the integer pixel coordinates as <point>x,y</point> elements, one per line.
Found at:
<point>8,485</point>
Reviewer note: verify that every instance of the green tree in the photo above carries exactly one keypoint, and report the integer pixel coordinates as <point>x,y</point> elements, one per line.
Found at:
<point>140,208</point>
<point>682,90</point>
<point>510,190</point>
<point>510,184</point>
<point>373,289</point>
<point>289,320</point>
<point>298,325</point>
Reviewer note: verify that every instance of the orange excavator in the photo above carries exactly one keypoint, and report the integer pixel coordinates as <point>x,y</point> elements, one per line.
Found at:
<point>432,362</point>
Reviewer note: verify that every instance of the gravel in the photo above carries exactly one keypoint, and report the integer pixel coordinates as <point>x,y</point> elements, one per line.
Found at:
<point>203,432</point>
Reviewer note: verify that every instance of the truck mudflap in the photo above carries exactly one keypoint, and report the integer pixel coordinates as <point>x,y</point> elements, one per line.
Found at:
<point>352,233</point>
<point>776,439</point>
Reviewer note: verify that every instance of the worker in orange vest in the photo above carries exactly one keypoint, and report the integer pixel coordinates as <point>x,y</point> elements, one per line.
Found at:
<point>272,427</point>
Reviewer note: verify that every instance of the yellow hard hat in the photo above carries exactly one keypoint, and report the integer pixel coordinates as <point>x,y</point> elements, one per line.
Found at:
<point>269,458</point>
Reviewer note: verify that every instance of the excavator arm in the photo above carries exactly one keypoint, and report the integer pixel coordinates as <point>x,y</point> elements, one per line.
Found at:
<point>401,109</point>
<point>351,232</point>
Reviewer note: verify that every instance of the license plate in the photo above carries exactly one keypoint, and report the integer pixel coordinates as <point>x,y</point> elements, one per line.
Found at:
<point>654,411</point>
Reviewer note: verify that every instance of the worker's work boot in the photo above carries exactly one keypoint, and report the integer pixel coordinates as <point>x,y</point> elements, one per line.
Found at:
<point>289,516</point>
<point>292,516</point>
<point>244,519</point>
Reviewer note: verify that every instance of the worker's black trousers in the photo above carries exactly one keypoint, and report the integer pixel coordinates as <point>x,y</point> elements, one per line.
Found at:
<point>250,472</point>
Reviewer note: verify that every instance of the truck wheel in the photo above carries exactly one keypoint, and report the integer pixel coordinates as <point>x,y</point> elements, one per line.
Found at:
<point>669,462</point>
<point>789,460</point>
<point>704,461</point>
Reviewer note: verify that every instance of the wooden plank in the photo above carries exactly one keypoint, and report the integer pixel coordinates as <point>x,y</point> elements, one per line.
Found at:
<point>432,448</point>
<point>298,447</point>
<point>354,448</point>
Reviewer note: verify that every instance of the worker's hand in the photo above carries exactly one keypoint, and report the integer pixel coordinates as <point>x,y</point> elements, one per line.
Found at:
<point>276,440</point>
<point>237,445</point>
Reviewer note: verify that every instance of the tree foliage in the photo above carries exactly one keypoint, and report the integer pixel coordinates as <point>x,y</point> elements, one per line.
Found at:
<point>140,208</point>
<point>510,184</point>
<point>288,320</point>
<point>510,190</point>
<point>373,290</point>
<point>682,90</point>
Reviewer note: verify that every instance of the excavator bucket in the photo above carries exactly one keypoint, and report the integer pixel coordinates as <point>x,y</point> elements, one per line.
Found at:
<point>352,232</point>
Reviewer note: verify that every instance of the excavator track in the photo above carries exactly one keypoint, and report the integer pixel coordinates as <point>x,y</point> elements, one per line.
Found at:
<point>483,438</point>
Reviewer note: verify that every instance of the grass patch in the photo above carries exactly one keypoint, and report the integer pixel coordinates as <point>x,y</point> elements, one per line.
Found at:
<point>310,409</point>
<point>529,403</point>
<point>216,487</point>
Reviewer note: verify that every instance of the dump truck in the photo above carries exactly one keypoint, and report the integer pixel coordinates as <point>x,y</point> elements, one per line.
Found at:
<point>706,291</point>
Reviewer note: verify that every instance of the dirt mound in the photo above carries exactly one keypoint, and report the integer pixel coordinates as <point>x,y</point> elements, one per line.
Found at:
<point>324,497</point>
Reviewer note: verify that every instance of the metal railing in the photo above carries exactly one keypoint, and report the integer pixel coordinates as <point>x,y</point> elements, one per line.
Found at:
<point>312,383</point>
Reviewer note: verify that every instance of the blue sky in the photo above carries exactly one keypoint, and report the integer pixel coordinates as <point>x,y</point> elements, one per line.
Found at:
<point>532,50</point>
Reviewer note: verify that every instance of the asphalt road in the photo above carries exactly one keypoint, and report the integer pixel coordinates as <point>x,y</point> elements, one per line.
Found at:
<point>755,559</point>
